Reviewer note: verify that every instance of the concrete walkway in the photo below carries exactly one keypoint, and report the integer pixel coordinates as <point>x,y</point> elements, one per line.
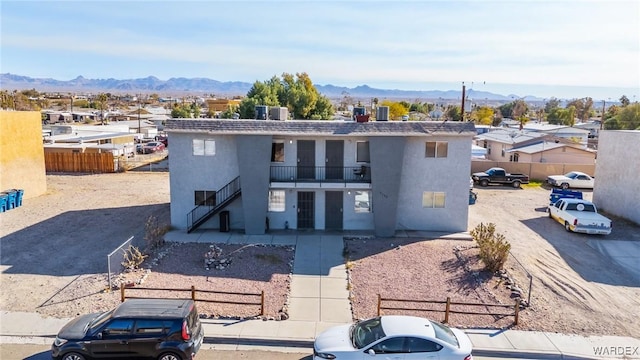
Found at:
<point>319,282</point>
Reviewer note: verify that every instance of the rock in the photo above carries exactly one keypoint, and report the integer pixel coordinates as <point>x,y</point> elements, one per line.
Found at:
<point>284,316</point>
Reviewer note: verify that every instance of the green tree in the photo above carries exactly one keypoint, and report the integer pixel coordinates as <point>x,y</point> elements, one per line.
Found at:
<point>229,113</point>
<point>297,93</point>
<point>454,113</point>
<point>629,117</point>
<point>181,112</point>
<point>624,100</point>
<point>101,104</point>
<point>551,104</point>
<point>583,107</point>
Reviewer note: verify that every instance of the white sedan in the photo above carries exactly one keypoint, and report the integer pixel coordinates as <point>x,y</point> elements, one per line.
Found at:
<point>393,337</point>
<point>573,179</point>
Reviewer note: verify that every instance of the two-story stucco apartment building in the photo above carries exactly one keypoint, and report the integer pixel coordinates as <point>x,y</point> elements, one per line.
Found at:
<point>328,175</point>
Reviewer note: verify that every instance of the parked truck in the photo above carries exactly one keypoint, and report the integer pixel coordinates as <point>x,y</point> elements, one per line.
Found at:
<point>497,175</point>
<point>579,215</point>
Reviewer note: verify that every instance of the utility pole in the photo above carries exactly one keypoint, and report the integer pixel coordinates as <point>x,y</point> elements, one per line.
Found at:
<point>139,108</point>
<point>602,117</point>
<point>462,106</point>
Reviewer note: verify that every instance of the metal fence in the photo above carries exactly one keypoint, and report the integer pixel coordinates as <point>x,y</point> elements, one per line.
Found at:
<point>115,259</point>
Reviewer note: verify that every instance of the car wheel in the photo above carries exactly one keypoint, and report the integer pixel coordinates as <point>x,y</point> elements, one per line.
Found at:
<point>516,184</point>
<point>73,356</point>
<point>567,226</point>
<point>484,182</point>
<point>169,356</point>
<point>564,186</point>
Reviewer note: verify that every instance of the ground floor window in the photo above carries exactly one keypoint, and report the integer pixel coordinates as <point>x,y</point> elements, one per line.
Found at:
<point>433,199</point>
<point>363,202</point>
<point>276,201</point>
<point>205,197</point>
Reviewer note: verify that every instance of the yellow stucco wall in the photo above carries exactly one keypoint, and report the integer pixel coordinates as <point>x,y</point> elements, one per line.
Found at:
<point>22,153</point>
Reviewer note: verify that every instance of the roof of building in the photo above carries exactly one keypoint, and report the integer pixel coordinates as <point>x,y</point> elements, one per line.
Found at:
<point>543,146</point>
<point>550,128</point>
<point>509,136</point>
<point>322,127</point>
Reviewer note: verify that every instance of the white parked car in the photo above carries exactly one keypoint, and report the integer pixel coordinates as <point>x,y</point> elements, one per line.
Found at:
<point>572,179</point>
<point>391,337</point>
<point>579,215</point>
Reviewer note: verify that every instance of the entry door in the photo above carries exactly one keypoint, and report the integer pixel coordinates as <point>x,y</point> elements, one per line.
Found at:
<point>306,214</point>
<point>333,210</point>
<point>306,159</point>
<point>335,159</point>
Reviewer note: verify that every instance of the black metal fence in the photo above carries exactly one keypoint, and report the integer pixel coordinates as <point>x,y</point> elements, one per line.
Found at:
<point>323,174</point>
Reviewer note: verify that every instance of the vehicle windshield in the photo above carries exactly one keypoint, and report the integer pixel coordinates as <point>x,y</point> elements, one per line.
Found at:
<point>99,320</point>
<point>571,175</point>
<point>366,332</point>
<point>445,334</point>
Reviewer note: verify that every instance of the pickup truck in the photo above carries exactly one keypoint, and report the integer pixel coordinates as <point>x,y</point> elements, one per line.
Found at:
<point>579,216</point>
<point>497,175</point>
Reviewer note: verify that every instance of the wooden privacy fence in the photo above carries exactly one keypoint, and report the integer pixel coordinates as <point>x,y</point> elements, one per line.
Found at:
<point>193,297</point>
<point>80,162</point>
<point>447,309</point>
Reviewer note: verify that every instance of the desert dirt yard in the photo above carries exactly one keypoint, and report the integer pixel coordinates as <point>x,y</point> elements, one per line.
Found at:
<point>53,259</point>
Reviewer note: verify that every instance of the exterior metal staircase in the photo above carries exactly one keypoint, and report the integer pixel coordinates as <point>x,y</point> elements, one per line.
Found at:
<point>201,213</point>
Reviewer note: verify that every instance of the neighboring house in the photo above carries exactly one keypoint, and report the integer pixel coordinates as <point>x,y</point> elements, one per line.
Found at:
<point>326,175</point>
<point>573,134</point>
<point>552,152</point>
<point>617,174</point>
<point>89,138</point>
<point>21,155</point>
<point>498,141</point>
<point>219,105</point>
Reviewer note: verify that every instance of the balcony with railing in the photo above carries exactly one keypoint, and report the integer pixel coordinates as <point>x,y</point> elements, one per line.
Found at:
<point>320,174</point>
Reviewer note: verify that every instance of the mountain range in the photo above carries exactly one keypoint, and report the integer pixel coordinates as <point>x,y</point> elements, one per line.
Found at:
<point>175,86</point>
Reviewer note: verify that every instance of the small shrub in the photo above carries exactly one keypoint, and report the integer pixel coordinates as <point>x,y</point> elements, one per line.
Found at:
<point>494,248</point>
<point>154,233</point>
<point>133,258</point>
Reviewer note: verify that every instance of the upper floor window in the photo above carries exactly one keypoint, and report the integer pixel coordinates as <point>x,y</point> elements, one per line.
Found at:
<point>362,151</point>
<point>204,147</point>
<point>204,197</point>
<point>363,202</point>
<point>437,149</point>
<point>277,151</point>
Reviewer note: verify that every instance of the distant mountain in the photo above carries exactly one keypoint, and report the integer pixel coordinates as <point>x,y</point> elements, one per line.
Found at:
<point>152,84</point>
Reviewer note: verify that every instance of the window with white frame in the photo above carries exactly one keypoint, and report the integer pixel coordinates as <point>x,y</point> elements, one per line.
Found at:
<point>362,151</point>
<point>433,199</point>
<point>437,149</point>
<point>276,200</point>
<point>363,201</point>
<point>204,147</point>
<point>277,151</point>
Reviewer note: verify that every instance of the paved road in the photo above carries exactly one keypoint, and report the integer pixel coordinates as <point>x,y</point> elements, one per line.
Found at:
<point>41,352</point>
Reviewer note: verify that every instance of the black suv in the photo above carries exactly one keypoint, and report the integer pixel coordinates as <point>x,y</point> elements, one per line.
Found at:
<point>163,329</point>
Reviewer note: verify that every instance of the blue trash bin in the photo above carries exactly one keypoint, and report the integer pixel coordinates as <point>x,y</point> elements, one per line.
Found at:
<point>472,197</point>
<point>3,202</point>
<point>19,195</point>
<point>11,199</point>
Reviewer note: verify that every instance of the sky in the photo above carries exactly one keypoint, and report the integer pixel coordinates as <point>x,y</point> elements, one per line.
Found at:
<point>566,49</point>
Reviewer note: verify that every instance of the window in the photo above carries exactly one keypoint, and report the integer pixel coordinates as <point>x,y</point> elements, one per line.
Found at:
<point>437,149</point>
<point>276,200</point>
<point>431,199</point>
<point>362,151</point>
<point>119,327</point>
<point>514,157</point>
<point>389,346</point>
<point>205,197</point>
<point>363,202</point>
<point>277,151</point>
<point>144,327</point>
<point>415,345</point>
<point>202,147</point>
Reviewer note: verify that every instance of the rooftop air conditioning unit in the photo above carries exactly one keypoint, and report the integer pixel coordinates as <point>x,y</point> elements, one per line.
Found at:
<point>382,113</point>
<point>278,113</point>
<point>262,112</point>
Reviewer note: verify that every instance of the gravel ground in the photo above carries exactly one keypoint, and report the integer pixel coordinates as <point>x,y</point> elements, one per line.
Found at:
<point>53,260</point>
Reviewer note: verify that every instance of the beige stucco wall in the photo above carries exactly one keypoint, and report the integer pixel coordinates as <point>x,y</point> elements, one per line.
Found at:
<point>617,182</point>
<point>22,153</point>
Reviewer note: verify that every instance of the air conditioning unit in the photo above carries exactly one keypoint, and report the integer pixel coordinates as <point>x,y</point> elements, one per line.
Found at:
<point>278,113</point>
<point>262,112</point>
<point>382,113</point>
